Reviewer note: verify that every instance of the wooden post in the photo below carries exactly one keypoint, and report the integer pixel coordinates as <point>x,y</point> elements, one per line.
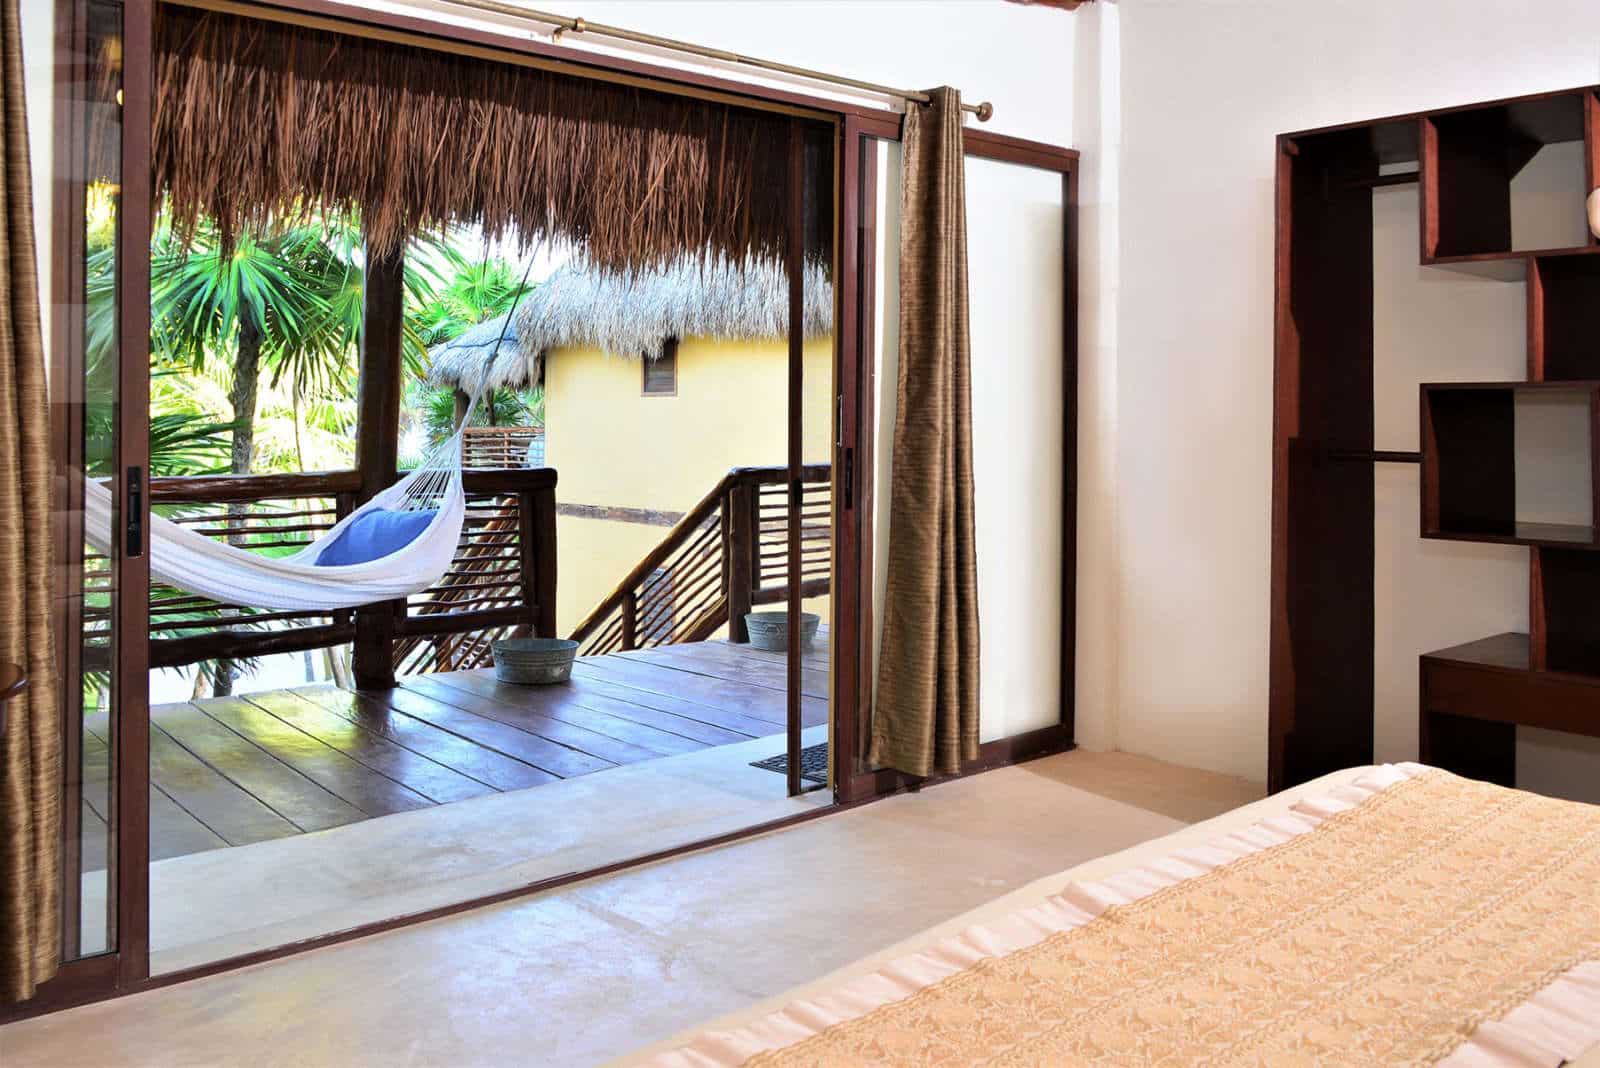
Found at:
<point>378,445</point>
<point>539,558</point>
<point>739,553</point>
<point>630,620</point>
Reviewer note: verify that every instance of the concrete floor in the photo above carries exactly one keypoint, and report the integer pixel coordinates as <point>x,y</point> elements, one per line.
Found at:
<point>596,970</point>
<point>226,902</point>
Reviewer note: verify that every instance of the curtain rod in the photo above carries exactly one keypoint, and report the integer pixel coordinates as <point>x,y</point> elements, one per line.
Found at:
<point>564,24</point>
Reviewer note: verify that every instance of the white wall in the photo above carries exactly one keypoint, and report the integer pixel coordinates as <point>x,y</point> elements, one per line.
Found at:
<point>38,37</point>
<point>1194,354</point>
<point>970,44</point>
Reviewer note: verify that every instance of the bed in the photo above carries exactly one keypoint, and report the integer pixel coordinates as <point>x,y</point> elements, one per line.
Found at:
<point>1379,915</point>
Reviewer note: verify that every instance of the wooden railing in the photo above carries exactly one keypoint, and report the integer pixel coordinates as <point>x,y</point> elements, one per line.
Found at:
<point>728,554</point>
<point>502,580</point>
<point>501,446</point>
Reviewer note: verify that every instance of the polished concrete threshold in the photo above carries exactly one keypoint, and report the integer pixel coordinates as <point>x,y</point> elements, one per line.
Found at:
<point>225,903</point>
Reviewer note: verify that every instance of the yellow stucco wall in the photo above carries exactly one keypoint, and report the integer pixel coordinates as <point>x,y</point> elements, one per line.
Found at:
<point>615,447</point>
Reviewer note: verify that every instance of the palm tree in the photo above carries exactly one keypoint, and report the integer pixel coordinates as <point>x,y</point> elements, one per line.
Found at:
<point>287,301</point>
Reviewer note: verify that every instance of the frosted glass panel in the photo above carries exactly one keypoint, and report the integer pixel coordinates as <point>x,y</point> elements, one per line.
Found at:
<point>1015,255</point>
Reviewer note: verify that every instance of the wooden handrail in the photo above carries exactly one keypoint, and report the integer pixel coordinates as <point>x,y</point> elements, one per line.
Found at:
<point>243,489</point>
<point>737,495</point>
<point>674,539</point>
<point>530,608</point>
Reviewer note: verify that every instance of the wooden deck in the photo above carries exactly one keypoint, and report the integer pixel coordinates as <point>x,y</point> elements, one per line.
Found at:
<point>234,770</point>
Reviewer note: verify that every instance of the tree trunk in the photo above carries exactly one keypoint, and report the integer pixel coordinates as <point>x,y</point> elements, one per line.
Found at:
<point>242,396</point>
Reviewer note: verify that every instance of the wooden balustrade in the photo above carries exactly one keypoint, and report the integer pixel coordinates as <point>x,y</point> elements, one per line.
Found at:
<point>724,557</point>
<point>503,579</point>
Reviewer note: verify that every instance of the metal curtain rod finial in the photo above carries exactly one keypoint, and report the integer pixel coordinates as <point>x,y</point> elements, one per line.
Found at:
<point>563,24</point>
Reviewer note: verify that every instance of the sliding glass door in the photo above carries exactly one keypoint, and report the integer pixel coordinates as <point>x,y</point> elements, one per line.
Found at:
<point>93,225</point>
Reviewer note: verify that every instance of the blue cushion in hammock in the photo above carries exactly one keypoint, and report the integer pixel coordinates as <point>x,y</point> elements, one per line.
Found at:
<point>373,535</point>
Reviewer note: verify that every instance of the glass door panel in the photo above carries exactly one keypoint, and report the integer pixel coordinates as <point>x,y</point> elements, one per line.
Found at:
<point>81,288</point>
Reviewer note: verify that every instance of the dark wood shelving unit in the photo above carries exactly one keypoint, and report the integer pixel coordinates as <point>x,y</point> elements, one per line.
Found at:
<point>1469,464</point>
<point>1472,696</point>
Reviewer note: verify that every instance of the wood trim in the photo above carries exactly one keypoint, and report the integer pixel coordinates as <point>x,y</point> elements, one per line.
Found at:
<point>1069,456</point>
<point>616,513</point>
<point>65,308</point>
<point>853,612</point>
<point>131,639</point>
<point>862,782</point>
<point>1407,116</point>
<point>238,489</point>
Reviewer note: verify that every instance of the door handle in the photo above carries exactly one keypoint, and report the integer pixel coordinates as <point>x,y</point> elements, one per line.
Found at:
<point>133,521</point>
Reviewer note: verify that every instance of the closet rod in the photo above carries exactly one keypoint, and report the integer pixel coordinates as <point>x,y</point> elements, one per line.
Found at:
<point>564,24</point>
<point>1380,180</point>
<point>1377,457</point>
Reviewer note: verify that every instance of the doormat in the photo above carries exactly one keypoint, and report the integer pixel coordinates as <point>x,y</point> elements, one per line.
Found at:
<point>813,764</point>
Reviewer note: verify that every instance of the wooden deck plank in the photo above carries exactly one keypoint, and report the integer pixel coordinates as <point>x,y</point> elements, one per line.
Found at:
<point>344,777</point>
<point>566,704</point>
<point>592,682</point>
<point>177,832</point>
<point>531,720</point>
<point>466,756</point>
<point>720,662</point>
<point>237,770</point>
<point>558,760</point>
<point>435,782</point>
<point>174,831</point>
<point>577,694</point>
<point>759,702</point>
<point>816,655</point>
<point>234,813</point>
<point>246,767</point>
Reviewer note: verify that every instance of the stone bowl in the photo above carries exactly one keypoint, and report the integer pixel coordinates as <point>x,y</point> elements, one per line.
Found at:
<point>770,630</point>
<point>533,661</point>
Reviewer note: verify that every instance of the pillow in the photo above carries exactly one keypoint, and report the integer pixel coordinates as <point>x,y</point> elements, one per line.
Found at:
<point>375,534</point>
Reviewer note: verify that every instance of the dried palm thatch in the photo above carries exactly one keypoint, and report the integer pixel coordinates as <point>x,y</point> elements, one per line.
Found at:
<point>254,120</point>
<point>631,315</point>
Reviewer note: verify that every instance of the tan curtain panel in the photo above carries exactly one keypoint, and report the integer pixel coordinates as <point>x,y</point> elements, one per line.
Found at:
<point>30,751</point>
<point>925,718</point>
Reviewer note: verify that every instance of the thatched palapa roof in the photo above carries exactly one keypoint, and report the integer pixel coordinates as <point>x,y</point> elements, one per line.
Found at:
<point>257,121</point>
<point>631,316</point>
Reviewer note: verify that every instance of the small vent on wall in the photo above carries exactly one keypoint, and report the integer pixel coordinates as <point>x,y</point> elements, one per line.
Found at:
<point>661,374</point>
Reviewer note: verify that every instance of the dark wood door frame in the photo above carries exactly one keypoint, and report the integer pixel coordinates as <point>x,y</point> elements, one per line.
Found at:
<point>126,970</point>
<point>857,375</point>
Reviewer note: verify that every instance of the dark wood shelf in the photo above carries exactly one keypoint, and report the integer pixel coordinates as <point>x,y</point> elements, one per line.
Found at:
<point>1558,535</point>
<point>1564,317</point>
<point>1503,652</point>
<point>1475,696</point>
<point>1469,158</point>
<point>1506,266</point>
<point>1469,490</point>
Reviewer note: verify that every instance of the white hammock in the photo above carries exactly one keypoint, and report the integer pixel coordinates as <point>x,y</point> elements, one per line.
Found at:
<point>233,575</point>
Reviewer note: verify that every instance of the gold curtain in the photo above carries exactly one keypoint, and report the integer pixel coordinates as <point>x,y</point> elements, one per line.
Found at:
<point>925,718</point>
<point>30,751</point>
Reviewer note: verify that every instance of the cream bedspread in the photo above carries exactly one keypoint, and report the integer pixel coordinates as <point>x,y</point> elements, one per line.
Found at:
<point>1361,918</point>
